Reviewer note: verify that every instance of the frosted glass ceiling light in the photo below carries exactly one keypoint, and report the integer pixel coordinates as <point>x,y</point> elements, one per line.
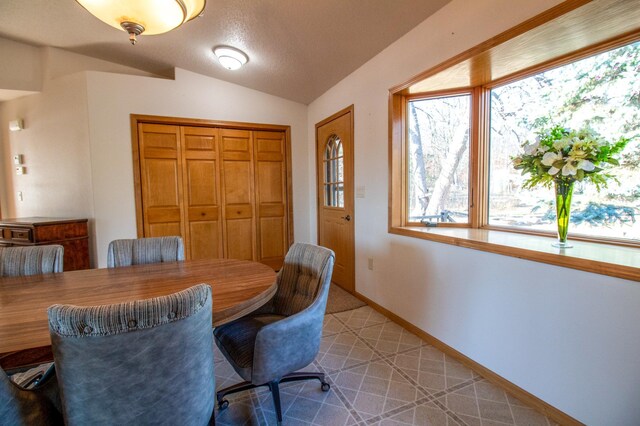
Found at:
<point>148,16</point>
<point>230,58</point>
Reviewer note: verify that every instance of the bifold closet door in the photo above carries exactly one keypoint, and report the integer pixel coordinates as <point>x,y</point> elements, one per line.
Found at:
<point>271,197</point>
<point>201,189</point>
<point>237,174</point>
<point>224,190</point>
<point>161,180</point>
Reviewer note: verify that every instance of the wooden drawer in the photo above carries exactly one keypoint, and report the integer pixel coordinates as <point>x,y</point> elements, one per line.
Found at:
<point>18,235</point>
<point>60,232</point>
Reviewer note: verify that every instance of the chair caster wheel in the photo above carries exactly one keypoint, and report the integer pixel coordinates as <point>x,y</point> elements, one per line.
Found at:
<point>222,405</point>
<point>325,387</point>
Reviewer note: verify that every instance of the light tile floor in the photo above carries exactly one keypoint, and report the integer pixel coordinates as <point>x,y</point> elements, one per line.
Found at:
<point>380,374</point>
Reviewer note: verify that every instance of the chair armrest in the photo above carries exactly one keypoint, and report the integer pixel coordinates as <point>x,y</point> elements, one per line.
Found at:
<point>289,344</point>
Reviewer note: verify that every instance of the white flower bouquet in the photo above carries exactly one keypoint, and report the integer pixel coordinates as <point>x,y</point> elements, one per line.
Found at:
<point>561,154</point>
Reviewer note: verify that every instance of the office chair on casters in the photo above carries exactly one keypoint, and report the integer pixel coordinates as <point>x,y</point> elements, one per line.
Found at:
<point>266,347</point>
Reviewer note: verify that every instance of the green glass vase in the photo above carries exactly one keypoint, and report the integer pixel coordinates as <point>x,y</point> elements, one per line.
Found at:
<point>564,191</point>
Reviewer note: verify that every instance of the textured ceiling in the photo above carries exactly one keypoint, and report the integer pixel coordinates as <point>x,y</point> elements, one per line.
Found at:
<point>297,48</point>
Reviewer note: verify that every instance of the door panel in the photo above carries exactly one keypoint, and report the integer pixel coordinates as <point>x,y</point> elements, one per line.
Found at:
<point>238,174</point>
<point>241,232</point>
<point>161,180</point>
<point>202,193</point>
<point>238,190</point>
<point>334,162</point>
<point>271,231</point>
<point>271,189</point>
<point>205,240</point>
<point>162,174</point>
<point>164,229</point>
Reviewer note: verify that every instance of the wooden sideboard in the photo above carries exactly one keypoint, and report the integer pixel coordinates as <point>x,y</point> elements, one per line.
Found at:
<point>72,234</point>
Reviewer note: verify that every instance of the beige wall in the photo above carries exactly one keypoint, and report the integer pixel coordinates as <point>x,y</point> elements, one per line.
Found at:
<point>569,337</point>
<point>54,145</point>
<point>20,67</point>
<point>59,62</point>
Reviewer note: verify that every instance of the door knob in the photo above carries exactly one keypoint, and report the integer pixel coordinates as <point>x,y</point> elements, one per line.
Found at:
<point>347,218</point>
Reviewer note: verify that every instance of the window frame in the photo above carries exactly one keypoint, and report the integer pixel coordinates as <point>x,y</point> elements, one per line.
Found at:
<point>478,234</point>
<point>437,95</point>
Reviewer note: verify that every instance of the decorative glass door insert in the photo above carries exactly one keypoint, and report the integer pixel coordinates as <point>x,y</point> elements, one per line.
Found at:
<point>333,173</point>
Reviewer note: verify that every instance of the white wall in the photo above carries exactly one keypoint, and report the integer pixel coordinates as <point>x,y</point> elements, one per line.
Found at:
<point>20,67</point>
<point>55,141</point>
<point>55,149</point>
<point>59,62</point>
<point>569,337</point>
<point>113,97</point>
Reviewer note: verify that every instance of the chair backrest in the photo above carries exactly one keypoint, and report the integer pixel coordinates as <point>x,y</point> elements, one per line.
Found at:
<point>144,250</point>
<point>32,260</point>
<point>143,362</point>
<point>20,407</point>
<point>306,268</point>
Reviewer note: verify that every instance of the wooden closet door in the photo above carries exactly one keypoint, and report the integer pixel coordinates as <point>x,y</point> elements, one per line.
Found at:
<point>238,189</point>
<point>161,180</point>
<point>271,197</point>
<point>200,170</point>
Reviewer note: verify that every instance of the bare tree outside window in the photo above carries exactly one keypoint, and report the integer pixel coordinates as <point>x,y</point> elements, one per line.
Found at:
<point>438,174</point>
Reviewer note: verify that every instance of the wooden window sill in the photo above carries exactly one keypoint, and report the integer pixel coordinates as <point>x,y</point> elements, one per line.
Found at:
<point>605,259</point>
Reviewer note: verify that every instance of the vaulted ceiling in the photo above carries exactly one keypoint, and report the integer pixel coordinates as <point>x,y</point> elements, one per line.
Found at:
<point>297,48</point>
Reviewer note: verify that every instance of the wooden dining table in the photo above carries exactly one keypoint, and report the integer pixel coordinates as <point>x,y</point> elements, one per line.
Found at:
<point>238,287</point>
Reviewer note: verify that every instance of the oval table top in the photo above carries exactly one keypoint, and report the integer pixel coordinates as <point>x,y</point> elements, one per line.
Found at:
<point>238,287</point>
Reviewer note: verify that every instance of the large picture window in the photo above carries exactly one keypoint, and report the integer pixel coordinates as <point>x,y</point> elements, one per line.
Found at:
<point>456,135</point>
<point>603,92</point>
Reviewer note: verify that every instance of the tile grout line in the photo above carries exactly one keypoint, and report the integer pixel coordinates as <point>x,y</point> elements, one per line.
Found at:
<point>386,358</point>
<point>429,396</point>
<point>450,413</point>
<point>352,411</point>
<point>391,363</point>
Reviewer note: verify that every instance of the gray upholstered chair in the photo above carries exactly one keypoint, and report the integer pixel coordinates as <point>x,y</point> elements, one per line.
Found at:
<point>32,260</point>
<point>144,250</point>
<point>267,347</point>
<point>37,406</point>
<point>143,362</point>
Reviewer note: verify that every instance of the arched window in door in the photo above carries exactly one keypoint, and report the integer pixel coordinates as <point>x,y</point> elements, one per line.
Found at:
<point>333,173</point>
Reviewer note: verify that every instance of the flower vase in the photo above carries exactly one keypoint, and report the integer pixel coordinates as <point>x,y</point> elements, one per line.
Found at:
<point>564,191</point>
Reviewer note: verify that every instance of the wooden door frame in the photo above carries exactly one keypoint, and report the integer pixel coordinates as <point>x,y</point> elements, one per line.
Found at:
<point>137,119</point>
<point>319,195</point>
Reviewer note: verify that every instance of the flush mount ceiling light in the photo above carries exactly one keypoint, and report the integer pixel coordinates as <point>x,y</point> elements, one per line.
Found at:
<point>229,57</point>
<point>148,16</point>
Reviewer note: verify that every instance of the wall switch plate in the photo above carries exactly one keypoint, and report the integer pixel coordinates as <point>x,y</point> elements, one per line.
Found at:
<point>16,125</point>
<point>20,197</point>
<point>360,191</point>
<point>17,159</point>
<point>21,170</point>
<point>370,263</point>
